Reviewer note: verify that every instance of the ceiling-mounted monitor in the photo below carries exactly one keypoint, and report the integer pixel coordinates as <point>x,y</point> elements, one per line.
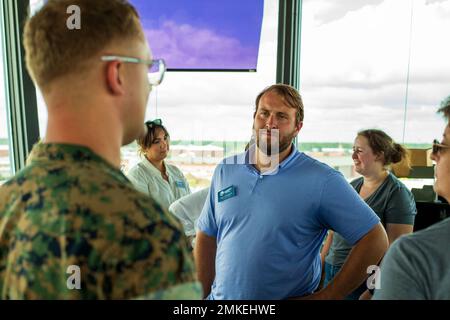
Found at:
<point>203,35</point>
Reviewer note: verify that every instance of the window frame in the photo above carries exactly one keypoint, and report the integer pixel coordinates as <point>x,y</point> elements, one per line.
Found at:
<point>20,93</point>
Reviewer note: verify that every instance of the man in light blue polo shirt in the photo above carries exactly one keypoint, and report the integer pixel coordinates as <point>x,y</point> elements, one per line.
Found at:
<point>268,211</point>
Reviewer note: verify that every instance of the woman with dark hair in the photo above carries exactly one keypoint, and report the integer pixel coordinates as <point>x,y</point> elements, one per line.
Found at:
<point>153,176</point>
<point>373,152</point>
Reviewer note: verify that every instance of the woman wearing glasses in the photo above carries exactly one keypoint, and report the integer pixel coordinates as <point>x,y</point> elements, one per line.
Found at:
<point>153,176</point>
<point>373,152</point>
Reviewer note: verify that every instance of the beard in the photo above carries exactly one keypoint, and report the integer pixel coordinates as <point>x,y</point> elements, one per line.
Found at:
<point>273,143</point>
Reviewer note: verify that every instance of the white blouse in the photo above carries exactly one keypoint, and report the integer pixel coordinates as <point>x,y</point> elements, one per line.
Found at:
<point>147,179</point>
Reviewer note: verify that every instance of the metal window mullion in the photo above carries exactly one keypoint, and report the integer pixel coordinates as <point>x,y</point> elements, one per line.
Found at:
<point>289,32</point>
<point>289,41</point>
<point>281,41</point>
<point>299,40</point>
<point>21,106</point>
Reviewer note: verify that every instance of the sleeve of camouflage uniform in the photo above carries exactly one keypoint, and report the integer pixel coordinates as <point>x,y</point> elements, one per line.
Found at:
<point>146,256</point>
<point>95,241</point>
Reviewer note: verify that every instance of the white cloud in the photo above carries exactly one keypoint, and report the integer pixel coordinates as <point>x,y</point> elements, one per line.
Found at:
<point>434,1</point>
<point>326,11</point>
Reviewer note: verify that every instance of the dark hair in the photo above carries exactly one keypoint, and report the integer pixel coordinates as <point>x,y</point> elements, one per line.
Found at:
<point>381,143</point>
<point>147,140</point>
<point>445,108</point>
<point>289,94</point>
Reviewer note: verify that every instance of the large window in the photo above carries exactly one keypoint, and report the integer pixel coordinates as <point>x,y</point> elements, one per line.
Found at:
<point>372,64</point>
<point>5,164</point>
<point>209,114</point>
<point>364,64</point>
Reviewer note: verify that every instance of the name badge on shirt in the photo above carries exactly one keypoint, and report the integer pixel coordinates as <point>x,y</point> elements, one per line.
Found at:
<point>180,184</point>
<point>227,193</point>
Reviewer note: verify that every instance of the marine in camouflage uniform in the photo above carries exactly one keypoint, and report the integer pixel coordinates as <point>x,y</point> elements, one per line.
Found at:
<point>69,206</point>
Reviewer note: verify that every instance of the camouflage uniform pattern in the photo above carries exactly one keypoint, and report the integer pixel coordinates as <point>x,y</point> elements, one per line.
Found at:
<point>69,206</point>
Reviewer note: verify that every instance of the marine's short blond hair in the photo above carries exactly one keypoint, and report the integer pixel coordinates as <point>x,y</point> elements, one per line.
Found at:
<point>53,50</point>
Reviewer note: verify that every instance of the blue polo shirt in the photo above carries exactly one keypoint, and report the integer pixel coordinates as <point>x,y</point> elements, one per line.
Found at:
<point>269,228</point>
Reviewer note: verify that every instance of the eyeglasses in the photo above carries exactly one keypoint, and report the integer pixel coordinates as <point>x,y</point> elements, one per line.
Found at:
<point>157,122</point>
<point>156,67</point>
<point>438,147</point>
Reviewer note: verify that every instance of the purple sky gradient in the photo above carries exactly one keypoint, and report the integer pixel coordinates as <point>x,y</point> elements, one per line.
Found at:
<point>185,46</point>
